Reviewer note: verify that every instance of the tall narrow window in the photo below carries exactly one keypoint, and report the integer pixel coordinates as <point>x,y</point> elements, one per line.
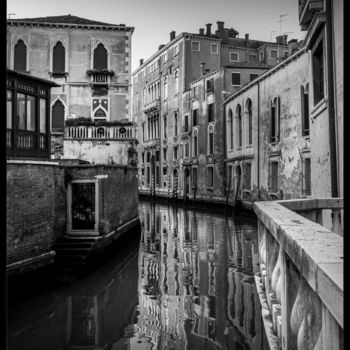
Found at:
<point>210,112</point>
<point>210,176</point>
<point>250,121</point>
<point>247,176</point>
<point>211,139</point>
<point>186,123</point>
<point>9,109</point>
<point>100,57</point>
<point>275,120</point>
<point>274,176</point>
<point>165,127</point>
<point>58,117</point>
<point>20,56</point>
<point>194,177</point>
<point>195,117</point>
<point>195,142</point>
<point>176,81</point>
<point>307,177</point>
<point>305,110</point>
<point>165,87</point>
<point>175,124</point>
<point>318,73</point>
<point>58,59</point>
<point>230,127</point>
<point>239,121</point>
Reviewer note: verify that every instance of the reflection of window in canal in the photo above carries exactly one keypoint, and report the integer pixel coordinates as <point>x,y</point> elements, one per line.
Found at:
<point>190,274</point>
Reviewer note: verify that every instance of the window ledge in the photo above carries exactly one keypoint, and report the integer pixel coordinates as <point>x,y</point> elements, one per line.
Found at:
<point>58,74</point>
<point>318,108</point>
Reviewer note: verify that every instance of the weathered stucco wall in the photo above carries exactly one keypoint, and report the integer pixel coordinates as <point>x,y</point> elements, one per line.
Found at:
<point>99,152</point>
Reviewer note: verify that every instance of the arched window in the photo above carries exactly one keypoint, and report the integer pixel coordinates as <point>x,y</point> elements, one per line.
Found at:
<point>230,127</point>
<point>58,59</point>
<point>195,142</point>
<point>186,123</point>
<point>100,57</point>
<point>100,113</point>
<point>250,121</point>
<point>165,88</point>
<point>239,120</point>
<point>58,116</point>
<point>211,139</point>
<point>275,120</point>
<point>20,56</point>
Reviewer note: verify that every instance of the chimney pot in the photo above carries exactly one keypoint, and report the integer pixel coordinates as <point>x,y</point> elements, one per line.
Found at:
<point>220,25</point>
<point>208,29</point>
<point>172,35</point>
<point>246,36</point>
<point>201,31</point>
<point>141,61</point>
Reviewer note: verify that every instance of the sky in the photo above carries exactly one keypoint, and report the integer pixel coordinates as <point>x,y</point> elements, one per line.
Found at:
<point>153,20</point>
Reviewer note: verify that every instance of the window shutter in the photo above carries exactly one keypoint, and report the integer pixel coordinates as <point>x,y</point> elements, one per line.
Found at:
<point>302,109</point>
<point>278,118</point>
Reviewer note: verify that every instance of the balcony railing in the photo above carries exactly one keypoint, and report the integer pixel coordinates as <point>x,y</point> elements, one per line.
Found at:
<point>300,282</point>
<point>152,106</point>
<point>100,132</point>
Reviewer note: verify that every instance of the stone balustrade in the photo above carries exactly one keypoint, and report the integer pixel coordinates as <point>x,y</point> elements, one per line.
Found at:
<point>100,132</point>
<point>300,282</point>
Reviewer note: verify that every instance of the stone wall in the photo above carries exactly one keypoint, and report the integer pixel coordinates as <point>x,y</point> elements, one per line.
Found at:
<point>37,202</point>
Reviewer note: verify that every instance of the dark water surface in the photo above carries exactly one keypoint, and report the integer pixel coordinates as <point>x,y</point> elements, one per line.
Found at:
<point>187,285</point>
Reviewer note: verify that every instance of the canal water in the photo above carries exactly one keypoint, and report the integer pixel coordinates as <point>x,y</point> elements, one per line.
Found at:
<point>186,284</point>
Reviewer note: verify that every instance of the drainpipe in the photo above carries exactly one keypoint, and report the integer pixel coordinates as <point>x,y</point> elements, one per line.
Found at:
<point>332,122</point>
<point>258,182</point>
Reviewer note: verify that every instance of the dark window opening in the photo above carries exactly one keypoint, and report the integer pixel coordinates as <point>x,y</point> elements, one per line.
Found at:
<point>58,61</point>
<point>253,76</point>
<point>307,177</point>
<point>211,143</point>
<point>250,122</point>
<point>318,73</point>
<point>100,113</point>
<point>211,112</point>
<point>210,176</point>
<point>195,117</point>
<point>239,116</point>
<point>247,176</point>
<point>58,117</point>
<point>175,124</point>
<point>20,56</point>
<point>236,79</point>
<point>100,57</point>
<point>274,177</point>
<point>210,85</point>
<point>275,120</point>
<point>305,117</point>
<point>186,123</point>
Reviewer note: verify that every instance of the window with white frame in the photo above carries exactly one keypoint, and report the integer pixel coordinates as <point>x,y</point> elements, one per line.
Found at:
<point>176,50</point>
<point>215,48</point>
<point>234,56</point>
<point>195,46</point>
<point>176,75</point>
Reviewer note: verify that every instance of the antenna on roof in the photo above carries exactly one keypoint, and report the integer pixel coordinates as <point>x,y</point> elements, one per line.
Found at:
<point>11,14</point>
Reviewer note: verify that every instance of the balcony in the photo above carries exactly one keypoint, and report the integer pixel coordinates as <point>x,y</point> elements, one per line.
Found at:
<point>300,283</point>
<point>307,9</point>
<point>100,77</point>
<point>152,106</point>
<point>122,132</point>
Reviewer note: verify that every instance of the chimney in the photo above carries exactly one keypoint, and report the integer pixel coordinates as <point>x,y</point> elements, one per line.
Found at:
<point>141,61</point>
<point>201,31</point>
<point>202,65</point>
<point>208,29</point>
<point>281,39</point>
<point>160,47</point>
<point>220,25</point>
<point>246,36</point>
<point>172,35</point>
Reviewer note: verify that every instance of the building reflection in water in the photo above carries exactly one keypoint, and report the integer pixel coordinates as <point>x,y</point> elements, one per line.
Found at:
<point>189,285</point>
<point>196,283</point>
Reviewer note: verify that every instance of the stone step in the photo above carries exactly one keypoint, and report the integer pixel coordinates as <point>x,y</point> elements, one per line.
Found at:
<point>62,245</point>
